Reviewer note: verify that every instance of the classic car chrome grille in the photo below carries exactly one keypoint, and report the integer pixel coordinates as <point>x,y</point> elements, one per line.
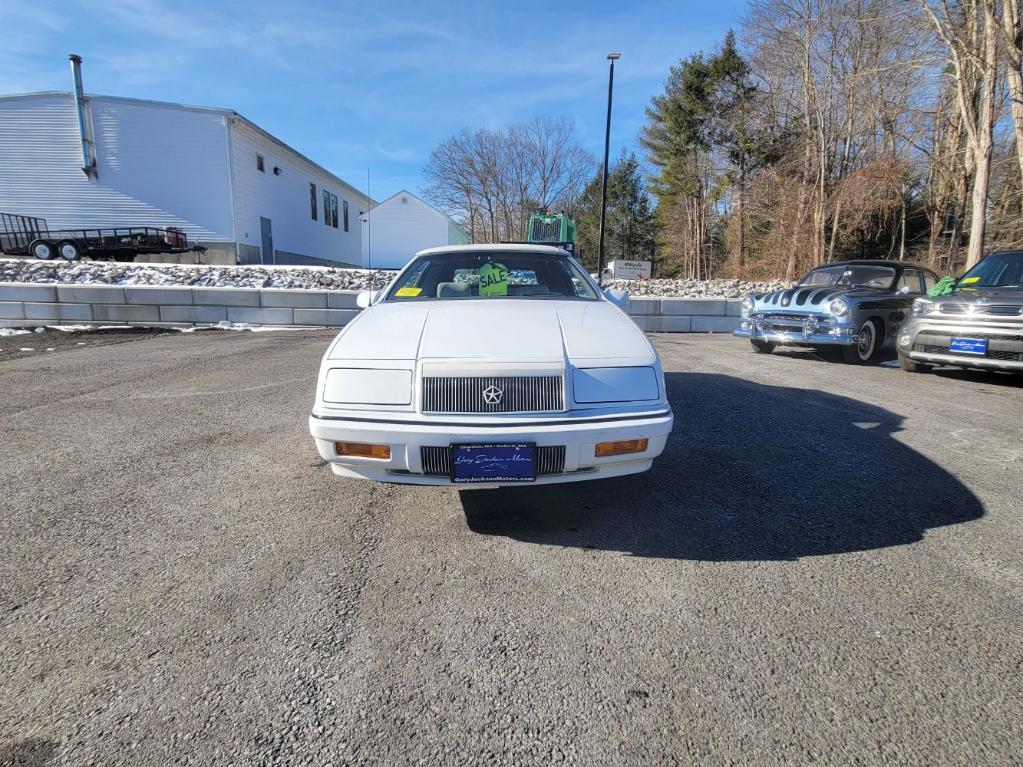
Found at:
<point>779,316</point>
<point>492,394</point>
<point>548,459</point>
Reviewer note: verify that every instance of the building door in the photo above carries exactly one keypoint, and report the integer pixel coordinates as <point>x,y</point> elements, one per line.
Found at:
<point>267,240</point>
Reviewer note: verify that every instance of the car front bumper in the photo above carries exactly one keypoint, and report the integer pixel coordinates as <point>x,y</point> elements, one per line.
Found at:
<point>578,435</point>
<point>803,332</point>
<point>926,340</point>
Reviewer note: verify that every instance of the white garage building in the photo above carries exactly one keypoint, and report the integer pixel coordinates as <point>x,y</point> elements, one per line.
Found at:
<point>227,183</point>
<point>401,225</point>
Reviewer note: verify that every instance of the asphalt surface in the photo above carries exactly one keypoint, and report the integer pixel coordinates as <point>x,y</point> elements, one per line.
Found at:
<point>823,567</point>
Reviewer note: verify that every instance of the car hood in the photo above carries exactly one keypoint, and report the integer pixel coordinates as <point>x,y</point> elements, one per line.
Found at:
<point>502,330</point>
<point>810,300</point>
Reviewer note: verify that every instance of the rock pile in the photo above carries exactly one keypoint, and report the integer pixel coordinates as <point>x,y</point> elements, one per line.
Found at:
<point>695,288</point>
<point>113,273</point>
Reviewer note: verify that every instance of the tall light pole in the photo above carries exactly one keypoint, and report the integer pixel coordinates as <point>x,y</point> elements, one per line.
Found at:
<point>612,57</point>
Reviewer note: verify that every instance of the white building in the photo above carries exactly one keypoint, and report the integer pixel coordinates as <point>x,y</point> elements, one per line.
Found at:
<point>224,181</point>
<point>401,225</point>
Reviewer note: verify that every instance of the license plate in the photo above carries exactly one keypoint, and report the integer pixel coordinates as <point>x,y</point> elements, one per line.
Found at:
<point>968,345</point>
<point>493,463</point>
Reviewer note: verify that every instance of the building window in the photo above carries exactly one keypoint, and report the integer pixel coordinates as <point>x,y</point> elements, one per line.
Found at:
<point>260,166</point>
<point>312,201</point>
<point>404,200</point>
<point>333,210</point>
<point>345,204</point>
<point>326,207</point>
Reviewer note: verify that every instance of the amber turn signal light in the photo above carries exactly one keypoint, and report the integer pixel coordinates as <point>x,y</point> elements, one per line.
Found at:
<point>604,449</point>
<point>363,450</point>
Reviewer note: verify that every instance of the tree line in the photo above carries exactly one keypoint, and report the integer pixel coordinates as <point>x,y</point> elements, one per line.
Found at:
<point>819,130</point>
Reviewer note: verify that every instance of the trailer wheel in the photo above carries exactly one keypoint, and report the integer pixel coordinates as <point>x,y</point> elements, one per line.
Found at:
<point>42,250</point>
<point>69,250</point>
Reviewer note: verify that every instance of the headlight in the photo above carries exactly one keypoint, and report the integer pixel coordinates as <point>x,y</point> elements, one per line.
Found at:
<point>615,384</point>
<point>357,386</point>
<point>922,306</point>
<point>839,307</point>
<point>747,305</point>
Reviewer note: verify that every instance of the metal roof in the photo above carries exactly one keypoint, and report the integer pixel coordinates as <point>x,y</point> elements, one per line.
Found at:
<point>193,108</point>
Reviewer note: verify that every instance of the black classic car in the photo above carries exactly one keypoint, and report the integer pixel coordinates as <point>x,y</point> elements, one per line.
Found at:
<point>855,306</point>
<point>979,326</point>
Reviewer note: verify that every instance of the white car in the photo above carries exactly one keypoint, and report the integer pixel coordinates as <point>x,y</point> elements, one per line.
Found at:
<point>490,365</point>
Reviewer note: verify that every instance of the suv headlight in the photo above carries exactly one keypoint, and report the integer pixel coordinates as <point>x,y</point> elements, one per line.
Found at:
<point>747,305</point>
<point>839,307</point>
<point>922,306</point>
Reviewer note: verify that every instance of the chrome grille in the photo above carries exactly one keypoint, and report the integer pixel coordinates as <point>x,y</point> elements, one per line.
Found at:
<point>793,317</point>
<point>547,459</point>
<point>946,337</point>
<point>996,310</point>
<point>519,394</point>
<point>550,459</point>
<point>436,460</point>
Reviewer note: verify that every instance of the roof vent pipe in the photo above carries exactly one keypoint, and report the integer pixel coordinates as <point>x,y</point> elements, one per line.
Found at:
<point>84,119</point>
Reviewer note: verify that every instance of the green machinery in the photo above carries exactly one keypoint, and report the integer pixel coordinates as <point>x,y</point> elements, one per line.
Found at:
<point>552,229</point>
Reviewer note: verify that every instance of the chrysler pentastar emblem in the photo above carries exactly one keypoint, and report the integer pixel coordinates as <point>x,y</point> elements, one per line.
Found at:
<point>492,395</point>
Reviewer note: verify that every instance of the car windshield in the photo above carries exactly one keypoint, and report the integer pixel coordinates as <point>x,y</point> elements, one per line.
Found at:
<point>851,275</point>
<point>491,274</point>
<point>999,270</point>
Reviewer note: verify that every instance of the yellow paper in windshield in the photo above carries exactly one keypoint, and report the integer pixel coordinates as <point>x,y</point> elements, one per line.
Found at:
<point>969,280</point>
<point>493,280</point>
<point>408,292</point>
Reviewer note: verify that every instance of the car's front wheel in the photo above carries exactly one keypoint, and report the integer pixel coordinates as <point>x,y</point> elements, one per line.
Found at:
<point>913,367</point>
<point>762,347</point>
<point>868,341</point>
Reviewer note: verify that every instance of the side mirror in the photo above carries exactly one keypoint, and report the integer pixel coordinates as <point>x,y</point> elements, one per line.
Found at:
<point>365,298</point>
<point>904,290</point>
<point>619,298</point>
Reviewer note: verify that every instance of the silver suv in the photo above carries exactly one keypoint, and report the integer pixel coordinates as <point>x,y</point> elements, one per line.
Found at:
<point>979,326</point>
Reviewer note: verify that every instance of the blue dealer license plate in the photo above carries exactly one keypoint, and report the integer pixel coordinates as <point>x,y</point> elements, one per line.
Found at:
<point>493,463</point>
<point>968,345</point>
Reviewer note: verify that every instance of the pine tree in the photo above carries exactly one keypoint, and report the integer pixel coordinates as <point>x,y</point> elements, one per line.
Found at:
<point>630,230</point>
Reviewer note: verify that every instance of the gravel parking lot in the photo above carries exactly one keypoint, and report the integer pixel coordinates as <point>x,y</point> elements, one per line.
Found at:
<point>823,567</point>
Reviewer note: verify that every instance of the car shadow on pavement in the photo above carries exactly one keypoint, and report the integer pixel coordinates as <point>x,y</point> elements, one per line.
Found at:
<point>970,375</point>
<point>751,472</point>
<point>31,752</point>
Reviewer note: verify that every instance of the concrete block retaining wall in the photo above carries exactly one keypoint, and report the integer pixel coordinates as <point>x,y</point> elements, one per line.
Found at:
<point>29,305</point>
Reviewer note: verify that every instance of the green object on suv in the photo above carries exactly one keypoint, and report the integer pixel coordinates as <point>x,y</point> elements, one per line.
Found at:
<point>946,286</point>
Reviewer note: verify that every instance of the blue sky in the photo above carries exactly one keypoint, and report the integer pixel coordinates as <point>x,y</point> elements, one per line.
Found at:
<point>368,84</point>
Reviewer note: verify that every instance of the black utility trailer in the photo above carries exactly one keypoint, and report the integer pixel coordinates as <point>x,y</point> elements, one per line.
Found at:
<point>29,236</point>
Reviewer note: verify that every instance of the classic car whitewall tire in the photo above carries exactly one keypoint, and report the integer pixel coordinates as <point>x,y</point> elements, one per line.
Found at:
<point>865,348</point>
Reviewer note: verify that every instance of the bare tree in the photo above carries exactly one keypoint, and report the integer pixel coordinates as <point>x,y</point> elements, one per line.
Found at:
<point>493,180</point>
<point>970,32</point>
<point>1012,30</point>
